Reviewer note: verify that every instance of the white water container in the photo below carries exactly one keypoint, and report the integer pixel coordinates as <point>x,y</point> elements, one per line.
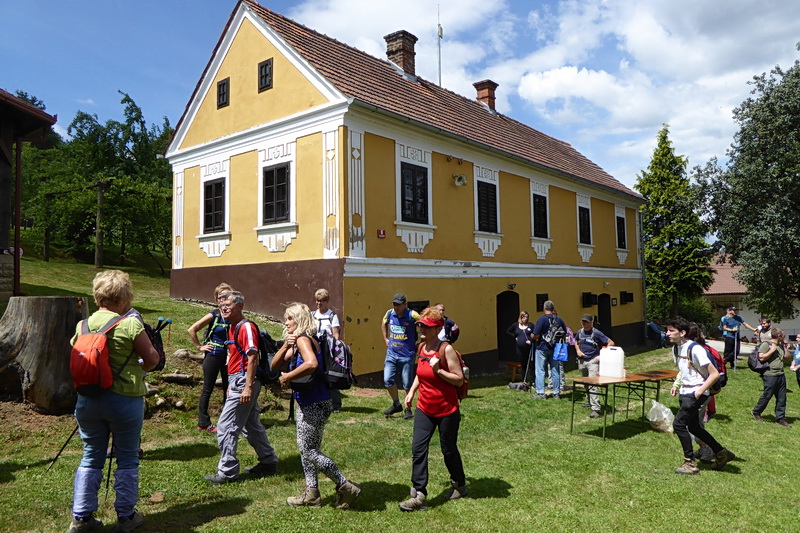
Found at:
<point>612,362</point>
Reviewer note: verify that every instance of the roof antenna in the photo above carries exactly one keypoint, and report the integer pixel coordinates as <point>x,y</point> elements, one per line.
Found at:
<point>439,41</point>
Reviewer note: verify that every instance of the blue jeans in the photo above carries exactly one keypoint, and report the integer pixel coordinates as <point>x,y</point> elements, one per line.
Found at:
<point>98,418</point>
<point>392,364</point>
<point>546,357</point>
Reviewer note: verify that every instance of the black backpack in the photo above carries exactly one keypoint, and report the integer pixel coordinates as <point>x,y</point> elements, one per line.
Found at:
<point>755,363</point>
<point>556,333</point>
<point>267,348</point>
<point>337,362</point>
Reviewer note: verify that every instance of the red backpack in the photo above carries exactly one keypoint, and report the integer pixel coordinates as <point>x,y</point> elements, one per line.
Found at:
<point>89,360</point>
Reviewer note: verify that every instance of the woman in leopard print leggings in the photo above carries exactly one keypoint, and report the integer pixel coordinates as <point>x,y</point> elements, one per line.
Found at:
<point>300,353</point>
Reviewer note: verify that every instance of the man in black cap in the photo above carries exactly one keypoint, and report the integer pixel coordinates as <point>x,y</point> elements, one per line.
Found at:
<point>729,324</point>
<point>588,343</point>
<point>400,334</point>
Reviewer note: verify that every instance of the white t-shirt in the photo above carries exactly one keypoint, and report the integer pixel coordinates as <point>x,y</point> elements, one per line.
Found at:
<point>327,321</point>
<point>694,375</point>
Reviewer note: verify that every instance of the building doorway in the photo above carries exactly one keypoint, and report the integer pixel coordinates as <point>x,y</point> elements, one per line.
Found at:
<point>507,314</point>
<point>604,323</point>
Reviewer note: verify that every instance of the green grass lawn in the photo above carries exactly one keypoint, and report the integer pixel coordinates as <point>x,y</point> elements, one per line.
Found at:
<point>525,471</point>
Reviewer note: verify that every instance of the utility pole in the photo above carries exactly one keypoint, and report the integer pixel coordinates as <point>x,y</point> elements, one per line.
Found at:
<point>440,33</point>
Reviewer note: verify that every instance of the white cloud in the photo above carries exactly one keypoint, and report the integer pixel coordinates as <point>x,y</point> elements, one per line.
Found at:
<point>86,101</point>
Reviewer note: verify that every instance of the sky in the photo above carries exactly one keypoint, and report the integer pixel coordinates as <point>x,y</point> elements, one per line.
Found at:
<point>602,75</point>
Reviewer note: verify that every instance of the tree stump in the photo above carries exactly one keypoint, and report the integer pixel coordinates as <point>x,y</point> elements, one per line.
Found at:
<point>34,344</point>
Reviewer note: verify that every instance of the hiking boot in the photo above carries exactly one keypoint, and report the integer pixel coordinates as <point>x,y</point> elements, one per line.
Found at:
<point>129,524</point>
<point>210,428</point>
<point>757,418</point>
<point>689,467</point>
<point>346,495</point>
<point>86,523</point>
<point>723,457</point>
<point>456,491</point>
<point>308,498</point>
<point>538,396</point>
<point>415,503</point>
<point>783,423</point>
<point>262,469</point>
<point>395,408</point>
<point>595,414</point>
<point>705,454</point>
<point>407,414</point>
<point>217,479</point>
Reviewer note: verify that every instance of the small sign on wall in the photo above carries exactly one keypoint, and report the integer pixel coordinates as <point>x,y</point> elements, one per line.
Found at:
<point>613,301</point>
<point>381,233</point>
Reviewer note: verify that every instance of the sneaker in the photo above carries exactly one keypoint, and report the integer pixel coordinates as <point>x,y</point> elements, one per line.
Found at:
<point>538,396</point>
<point>395,408</point>
<point>347,494</point>
<point>86,523</point>
<point>262,469</point>
<point>705,454</point>
<point>723,457</point>
<point>415,503</point>
<point>586,404</point>
<point>210,428</point>
<point>217,479</point>
<point>757,418</point>
<point>689,467</point>
<point>556,396</point>
<point>456,491</point>
<point>129,524</point>
<point>337,411</point>
<point>783,423</point>
<point>407,414</point>
<point>308,498</point>
<point>595,414</point>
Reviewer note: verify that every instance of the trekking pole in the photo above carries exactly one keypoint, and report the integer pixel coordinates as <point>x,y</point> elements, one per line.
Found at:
<point>54,459</point>
<point>110,459</point>
<point>528,367</point>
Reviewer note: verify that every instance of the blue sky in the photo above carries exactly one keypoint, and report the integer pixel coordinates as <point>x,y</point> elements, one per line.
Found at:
<point>603,75</point>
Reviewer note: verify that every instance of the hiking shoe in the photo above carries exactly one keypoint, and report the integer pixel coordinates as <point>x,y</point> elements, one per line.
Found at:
<point>210,428</point>
<point>689,467</point>
<point>308,498</point>
<point>456,491</point>
<point>346,495</point>
<point>395,408</point>
<point>129,524</point>
<point>217,479</point>
<point>556,396</point>
<point>595,414</point>
<point>415,503</point>
<point>538,396</point>
<point>757,418</point>
<point>262,469</point>
<point>783,423</point>
<point>86,523</point>
<point>705,454</point>
<point>586,404</point>
<point>723,457</point>
<point>407,414</point>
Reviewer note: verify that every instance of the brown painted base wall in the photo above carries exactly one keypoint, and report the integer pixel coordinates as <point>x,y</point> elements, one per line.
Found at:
<point>267,288</point>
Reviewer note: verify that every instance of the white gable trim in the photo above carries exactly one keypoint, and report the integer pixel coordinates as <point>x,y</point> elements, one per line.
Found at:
<point>207,83</point>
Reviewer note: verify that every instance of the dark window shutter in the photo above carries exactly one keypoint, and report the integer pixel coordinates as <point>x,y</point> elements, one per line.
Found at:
<point>540,216</point>
<point>584,225</point>
<point>487,207</point>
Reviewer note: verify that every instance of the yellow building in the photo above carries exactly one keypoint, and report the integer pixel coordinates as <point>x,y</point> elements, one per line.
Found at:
<point>301,162</point>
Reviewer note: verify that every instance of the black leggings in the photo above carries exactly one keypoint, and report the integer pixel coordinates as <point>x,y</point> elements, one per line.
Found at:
<point>212,365</point>
<point>424,427</point>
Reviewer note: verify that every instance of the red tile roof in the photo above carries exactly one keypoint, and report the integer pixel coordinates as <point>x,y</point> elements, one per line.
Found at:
<point>724,281</point>
<point>24,117</point>
<point>375,82</point>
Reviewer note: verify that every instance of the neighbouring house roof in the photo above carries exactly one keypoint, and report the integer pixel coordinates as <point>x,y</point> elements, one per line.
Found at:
<point>724,281</point>
<point>377,83</point>
<point>25,118</point>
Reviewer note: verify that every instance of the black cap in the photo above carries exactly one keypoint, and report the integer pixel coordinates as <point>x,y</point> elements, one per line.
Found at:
<point>399,298</point>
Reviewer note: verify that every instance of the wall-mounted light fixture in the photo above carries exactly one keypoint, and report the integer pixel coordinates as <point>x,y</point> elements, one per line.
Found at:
<point>460,159</point>
<point>459,180</point>
<point>511,286</point>
<point>606,284</point>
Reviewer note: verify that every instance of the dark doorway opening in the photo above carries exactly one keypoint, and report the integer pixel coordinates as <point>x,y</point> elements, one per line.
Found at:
<point>604,323</point>
<point>507,314</point>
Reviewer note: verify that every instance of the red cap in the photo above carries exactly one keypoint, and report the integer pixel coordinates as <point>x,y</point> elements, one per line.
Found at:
<point>430,322</point>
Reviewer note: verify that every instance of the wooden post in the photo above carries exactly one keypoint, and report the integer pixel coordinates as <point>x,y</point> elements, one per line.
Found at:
<point>34,343</point>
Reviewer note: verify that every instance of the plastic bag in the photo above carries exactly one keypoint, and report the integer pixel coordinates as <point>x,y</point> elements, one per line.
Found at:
<point>660,417</point>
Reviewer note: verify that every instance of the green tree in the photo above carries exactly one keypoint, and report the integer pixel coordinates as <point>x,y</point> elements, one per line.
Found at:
<point>752,200</point>
<point>676,255</point>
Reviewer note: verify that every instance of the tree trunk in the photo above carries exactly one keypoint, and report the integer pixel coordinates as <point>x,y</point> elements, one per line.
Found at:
<point>34,343</point>
<point>98,237</point>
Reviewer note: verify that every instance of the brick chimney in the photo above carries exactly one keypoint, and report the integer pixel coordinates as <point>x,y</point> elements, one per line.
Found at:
<point>400,50</point>
<point>486,92</point>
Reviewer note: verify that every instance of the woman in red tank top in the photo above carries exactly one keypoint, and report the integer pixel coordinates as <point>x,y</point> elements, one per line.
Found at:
<point>438,375</point>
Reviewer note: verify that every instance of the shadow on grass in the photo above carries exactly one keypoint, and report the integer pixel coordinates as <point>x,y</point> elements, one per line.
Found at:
<point>7,469</point>
<point>363,410</point>
<point>377,495</point>
<point>43,290</point>
<point>621,430</point>
<point>188,517</point>
<point>182,452</point>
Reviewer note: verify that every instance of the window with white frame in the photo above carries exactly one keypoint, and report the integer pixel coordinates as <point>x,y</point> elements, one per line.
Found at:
<point>622,240</point>
<point>214,206</point>
<point>275,208</point>
<point>413,193</point>
<point>584,220</point>
<point>487,207</point>
<point>539,203</point>
<point>277,217</point>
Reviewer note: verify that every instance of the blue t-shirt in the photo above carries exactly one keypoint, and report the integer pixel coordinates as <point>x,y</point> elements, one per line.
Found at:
<point>542,327</point>
<point>732,322</point>
<point>590,343</point>
<point>402,332</point>
<point>320,392</point>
